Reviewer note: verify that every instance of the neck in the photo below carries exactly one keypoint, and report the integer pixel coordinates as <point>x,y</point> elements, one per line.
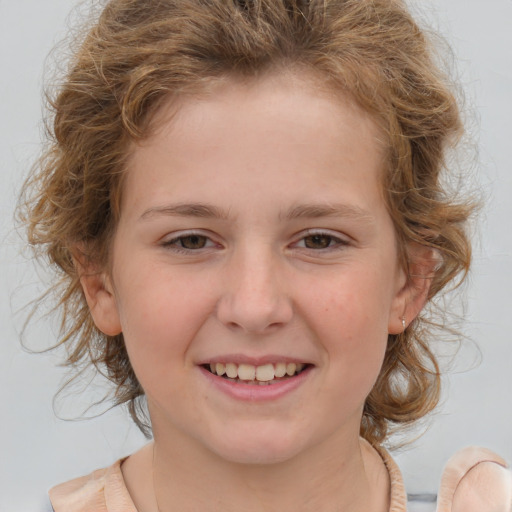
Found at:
<point>348,479</point>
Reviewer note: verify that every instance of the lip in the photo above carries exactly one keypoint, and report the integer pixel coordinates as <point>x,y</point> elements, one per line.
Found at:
<point>254,361</point>
<point>254,392</point>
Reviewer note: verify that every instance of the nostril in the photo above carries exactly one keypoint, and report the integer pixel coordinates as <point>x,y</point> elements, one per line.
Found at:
<point>253,301</point>
<point>254,327</point>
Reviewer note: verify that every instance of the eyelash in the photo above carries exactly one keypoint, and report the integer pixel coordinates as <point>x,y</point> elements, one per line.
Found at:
<point>173,244</point>
<point>333,242</point>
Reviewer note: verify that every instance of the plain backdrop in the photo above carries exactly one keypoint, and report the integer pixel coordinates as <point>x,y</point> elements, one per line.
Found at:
<point>37,450</point>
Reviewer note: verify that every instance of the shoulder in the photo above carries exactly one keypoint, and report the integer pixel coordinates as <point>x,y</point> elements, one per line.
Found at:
<point>101,491</point>
<point>475,480</point>
<point>81,494</point>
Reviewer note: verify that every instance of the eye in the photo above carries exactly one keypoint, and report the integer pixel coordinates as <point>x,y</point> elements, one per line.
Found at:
<point>320,240</point>
<point>192,241</point>
<point>189,242</point>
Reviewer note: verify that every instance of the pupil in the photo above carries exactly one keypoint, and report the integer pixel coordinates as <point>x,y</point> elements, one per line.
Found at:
<point>318,241</point>
<point>193,242</point>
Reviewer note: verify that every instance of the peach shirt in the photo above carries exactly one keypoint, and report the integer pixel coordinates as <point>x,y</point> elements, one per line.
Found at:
<point>475,480</point>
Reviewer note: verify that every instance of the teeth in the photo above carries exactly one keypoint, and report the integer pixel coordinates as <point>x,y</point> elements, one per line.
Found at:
<point>231,370</point>
<point>246,372</point>
<point>291,368</point>
<point>280,370</point>
<point>263,374</point>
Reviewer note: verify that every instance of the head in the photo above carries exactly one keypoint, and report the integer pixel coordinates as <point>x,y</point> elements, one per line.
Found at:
<point>141,57</point>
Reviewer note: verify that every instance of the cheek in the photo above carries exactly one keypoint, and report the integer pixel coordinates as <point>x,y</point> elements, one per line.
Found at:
<point>350,320</point>
<point>354,304</point>
<point>160,315</point>
<point>354,346</point>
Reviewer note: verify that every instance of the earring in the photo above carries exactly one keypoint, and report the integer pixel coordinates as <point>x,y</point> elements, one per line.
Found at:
<point>403,323</point>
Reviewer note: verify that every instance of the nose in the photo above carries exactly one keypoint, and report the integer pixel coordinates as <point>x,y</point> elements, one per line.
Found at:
<point>254,297</point>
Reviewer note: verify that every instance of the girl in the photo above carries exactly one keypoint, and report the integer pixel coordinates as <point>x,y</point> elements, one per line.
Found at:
<point>244,200</point>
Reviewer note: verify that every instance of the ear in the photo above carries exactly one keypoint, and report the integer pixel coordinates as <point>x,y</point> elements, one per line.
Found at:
<point>100,297</point>
<point>414,287</point>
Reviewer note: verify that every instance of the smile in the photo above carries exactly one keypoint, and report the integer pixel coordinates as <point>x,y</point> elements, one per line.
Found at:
<point>256,375</point>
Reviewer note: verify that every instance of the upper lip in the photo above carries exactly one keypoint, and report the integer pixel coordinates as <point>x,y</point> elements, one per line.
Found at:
<point>252,360</point>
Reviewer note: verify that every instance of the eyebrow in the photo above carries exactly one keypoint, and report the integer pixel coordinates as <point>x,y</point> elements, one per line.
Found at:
<point>314,211</point>
<point>304,211</point>
<point>198,210</point>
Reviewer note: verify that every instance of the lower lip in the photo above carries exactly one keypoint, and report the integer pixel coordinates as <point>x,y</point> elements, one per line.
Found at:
<point>255,392</point>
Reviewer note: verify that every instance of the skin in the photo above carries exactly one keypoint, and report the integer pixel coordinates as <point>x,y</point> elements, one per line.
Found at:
<point>297,260</point>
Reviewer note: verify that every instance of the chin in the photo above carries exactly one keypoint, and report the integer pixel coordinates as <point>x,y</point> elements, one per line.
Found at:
<point>261,455</point>
<point>258,448</point>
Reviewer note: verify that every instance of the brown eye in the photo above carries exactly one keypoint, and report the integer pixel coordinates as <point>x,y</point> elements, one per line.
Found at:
<point>193,241</point>
<point>318,241</point>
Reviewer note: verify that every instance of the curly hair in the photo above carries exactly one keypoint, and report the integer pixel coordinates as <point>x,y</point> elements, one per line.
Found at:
<point>139,53</point>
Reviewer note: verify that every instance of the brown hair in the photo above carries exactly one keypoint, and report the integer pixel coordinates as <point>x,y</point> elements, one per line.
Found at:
<point>139,53</point>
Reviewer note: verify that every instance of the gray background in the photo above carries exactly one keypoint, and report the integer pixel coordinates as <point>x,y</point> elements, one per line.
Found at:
<point>37,450</point>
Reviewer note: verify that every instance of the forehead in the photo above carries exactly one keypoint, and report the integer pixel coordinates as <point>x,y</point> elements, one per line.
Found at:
<point>301,89</point>
<point>279,122</point>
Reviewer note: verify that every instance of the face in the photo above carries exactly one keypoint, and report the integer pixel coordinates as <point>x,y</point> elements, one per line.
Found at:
<point>255,274</point>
